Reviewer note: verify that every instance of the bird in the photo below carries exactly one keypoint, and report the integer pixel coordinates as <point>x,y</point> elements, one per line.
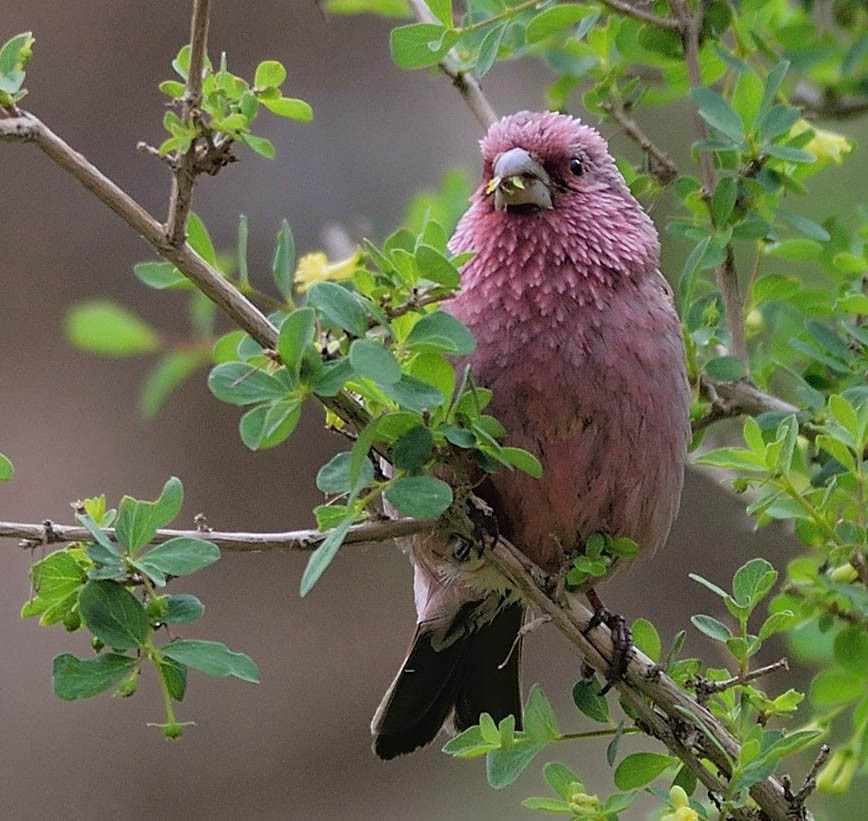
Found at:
<point>579,341</point>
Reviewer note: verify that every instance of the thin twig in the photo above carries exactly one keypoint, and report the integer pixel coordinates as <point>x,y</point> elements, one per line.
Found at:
<point>184,177</point>
<point>660,164</point>
<point>32,535</point>
<point>466,83</point>
<point>704,687</point>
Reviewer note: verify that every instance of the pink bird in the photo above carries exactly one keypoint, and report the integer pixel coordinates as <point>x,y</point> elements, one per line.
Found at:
<point>578,338</point>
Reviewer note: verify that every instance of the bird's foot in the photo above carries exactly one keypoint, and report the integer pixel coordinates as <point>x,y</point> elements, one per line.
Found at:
<point>484,532</point>
<point>622,640</point>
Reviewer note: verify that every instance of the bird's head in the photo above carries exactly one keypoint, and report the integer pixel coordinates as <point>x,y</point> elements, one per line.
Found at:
<point>541,161</point>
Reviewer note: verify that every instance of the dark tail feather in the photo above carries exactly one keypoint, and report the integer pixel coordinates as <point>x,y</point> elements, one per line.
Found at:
<point>439,675</point>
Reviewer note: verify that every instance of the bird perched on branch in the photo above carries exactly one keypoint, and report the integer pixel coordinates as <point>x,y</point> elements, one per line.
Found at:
<point>578,338</point>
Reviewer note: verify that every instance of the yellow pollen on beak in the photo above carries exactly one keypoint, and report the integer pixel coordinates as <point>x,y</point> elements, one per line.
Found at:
<point>506,184</point>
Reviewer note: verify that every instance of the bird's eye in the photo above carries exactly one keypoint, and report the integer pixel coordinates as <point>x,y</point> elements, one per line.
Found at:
<point>576,167</point>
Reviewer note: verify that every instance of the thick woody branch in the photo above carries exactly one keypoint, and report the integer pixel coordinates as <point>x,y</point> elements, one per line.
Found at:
<point>33,535</point>
<point>666,710</point>
<point>181,199</point>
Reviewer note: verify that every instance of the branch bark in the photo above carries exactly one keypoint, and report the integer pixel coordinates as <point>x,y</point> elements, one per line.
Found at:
<point>184,176</point>
<point>27,128</point>
<point>293,541</point>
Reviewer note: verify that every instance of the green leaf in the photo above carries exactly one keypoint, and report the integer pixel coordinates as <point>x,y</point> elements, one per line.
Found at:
<point>178,557</point>
<point>718,113</point>
<point>322,557</point>
<point>161,275</point>
<point>586,696</point>
<point>260,145</point>
<point>442,10</point>
<point>14,56</point>
<point>420,44</point>
<point>212,658</point>
<point>241,384</point>
<point>561,779</point>
<point>547,805</point>
<point>752,581</point>
<point>838,451</point>
<point>421,497</point>
<point>554,19</point>
<point>503,767</point>
<point>728,368</point>
<point>374,361</point>
<point>7,469</point>
<point>523,461</point>
<point>851,650</point>
<point>796,249</point>
<point>74,678</point>
<point>334,476</point>
<point>182,608</point>
<point>296,335</point>
<point>289,107</point>
<point>773,83</point>
<point>269,74</point>
<point>539,717</point>
<point>639,769</point>
<point>175,677</point>
<point>439,331</point>
<point>831,687</point>
<point>104,327</point>
<point>412,450</point>
<point>711,627</point>
<point>413,394</point>
<point>165,377</point>
<point>200,239</point>
<point>283,265</point>
<point>113,614</point>
<point>138,520</point>
<point>435,267</point>
<point>784,152</point>
<point>723,201</point>
<point>489,49</point>
<point>270,424</point>
<point>779,119</point>
<point>339,307</point>
<point>646,638</point>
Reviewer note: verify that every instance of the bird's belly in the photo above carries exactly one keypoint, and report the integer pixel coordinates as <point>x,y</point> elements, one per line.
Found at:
<point>611,437</point>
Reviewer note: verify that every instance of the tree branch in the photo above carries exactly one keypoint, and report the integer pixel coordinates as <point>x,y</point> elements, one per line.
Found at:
<point>726,274</point>
<point>672,716</point>
<point>660,164</point>
<point>33,535</point>
<point>181,198</point>
<point>730,399</point>
<point>466,83</point>
<point>27,128</point>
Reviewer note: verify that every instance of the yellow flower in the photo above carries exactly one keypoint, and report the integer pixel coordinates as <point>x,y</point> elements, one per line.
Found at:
<point>314,268</point>
<point>824,145</point>
<point>681,810</point>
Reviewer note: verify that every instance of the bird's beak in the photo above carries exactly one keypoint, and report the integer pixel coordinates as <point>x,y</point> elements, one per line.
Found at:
<point>519,179</point>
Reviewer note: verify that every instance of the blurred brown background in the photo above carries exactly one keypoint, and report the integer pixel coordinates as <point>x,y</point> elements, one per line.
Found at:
<point>297,746</point>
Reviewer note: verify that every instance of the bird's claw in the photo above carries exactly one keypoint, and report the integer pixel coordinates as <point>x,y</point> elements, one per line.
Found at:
<point>622,640</point>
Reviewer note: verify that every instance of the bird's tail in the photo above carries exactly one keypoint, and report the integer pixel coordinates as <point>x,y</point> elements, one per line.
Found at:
<point>458,672</point>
